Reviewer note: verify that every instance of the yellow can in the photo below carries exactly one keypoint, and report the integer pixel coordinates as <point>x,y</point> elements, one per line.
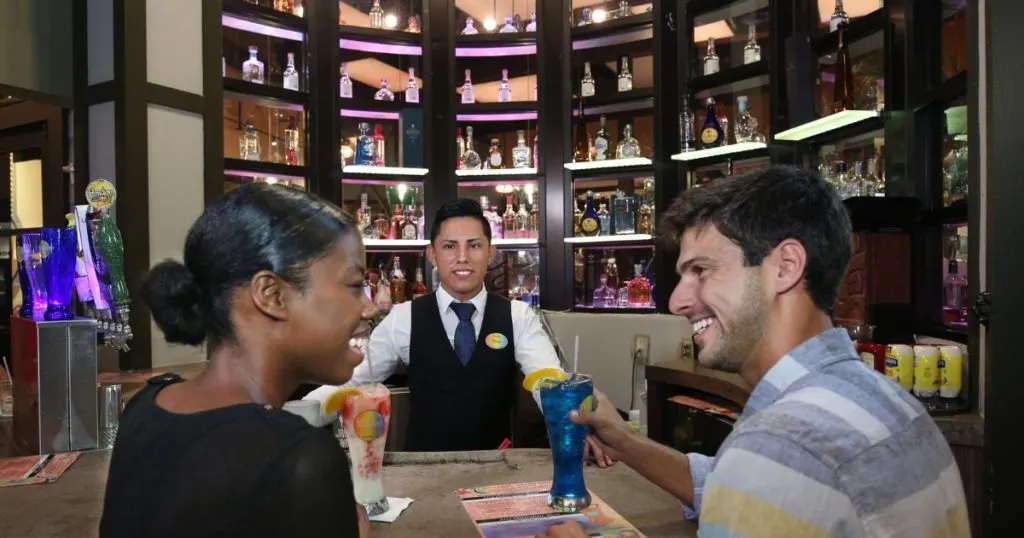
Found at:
<point>899,365</point>
<point>926,371</point>
<point>951,371</point>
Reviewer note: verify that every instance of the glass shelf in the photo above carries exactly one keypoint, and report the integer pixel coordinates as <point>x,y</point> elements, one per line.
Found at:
<point>273,48</point>
<point>623,210</point>
<point>855,166</point>
<point>399,20</point>
<point>511,208</point>
<point>609,279</point>
<point>495,144</point>
<point>723,151</point>
<point>515,273</point>
<point>272,134</point>
<point>498,22</point>
<point>236,178</point>
<point>389,214</point>
<point>704,172</point>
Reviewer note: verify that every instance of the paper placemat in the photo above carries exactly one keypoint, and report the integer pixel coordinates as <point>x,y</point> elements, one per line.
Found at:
<point>396,505</point>
<point>35,469</point>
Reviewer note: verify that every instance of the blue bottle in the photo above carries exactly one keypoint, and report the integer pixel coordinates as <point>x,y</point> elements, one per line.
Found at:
<point>364,146</point>
<point>590,223</point>
<point>711,135</point>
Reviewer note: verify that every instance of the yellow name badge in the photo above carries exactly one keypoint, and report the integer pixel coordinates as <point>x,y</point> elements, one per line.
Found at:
<point>496,341</point>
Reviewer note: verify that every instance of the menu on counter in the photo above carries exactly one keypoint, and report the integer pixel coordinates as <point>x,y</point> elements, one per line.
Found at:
<point>521,510</point>
<point>35,469</point>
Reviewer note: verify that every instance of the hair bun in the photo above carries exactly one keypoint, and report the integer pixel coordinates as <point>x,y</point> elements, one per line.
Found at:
<point>173,296</point>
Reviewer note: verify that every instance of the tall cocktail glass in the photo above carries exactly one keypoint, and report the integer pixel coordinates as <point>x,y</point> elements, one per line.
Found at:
<point>31,254</point>
<point>366,416</point>
<point>60,252</point>
<point>568,491</point>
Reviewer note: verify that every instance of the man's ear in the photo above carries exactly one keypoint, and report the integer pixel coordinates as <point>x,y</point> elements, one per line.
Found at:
<point>790,260</point>
<point>431,255</point>
<point>268,293</point>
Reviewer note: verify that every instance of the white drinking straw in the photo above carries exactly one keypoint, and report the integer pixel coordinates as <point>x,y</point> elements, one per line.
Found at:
<point>576,357</point>
<point>366,356</point>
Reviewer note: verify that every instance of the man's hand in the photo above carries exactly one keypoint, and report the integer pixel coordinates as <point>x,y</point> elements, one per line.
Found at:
<point>592,451</point>
<point>610,431</point>
<point>568,529</point>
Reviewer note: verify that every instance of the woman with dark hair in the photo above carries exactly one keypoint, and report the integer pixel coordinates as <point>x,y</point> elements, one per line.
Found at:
<point>272,282</point>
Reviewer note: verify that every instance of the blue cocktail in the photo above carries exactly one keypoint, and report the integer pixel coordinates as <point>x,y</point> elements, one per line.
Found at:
<point>568,492</point>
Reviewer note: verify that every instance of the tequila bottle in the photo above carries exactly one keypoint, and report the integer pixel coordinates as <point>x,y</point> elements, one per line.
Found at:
<point>378,145</point>
<point>577,216</point>
<point>384,93</point>
<point>408,229</point>
<point>413,25</point>
<point>602,143</point>
<point>249,143</point>
<point>645,219</point>
<point>604,218</point>
<point>752,51</point>
<point>346,83</point>
<point>710,58</point>
<point>509,219</point>
<point>290,79</point>
<point>419,289</point>
<point>533,224</point>
<point>376,15</point>
<point>493,220</point>
<point>470,28</point>
<point>364,146</point>
<point>363,218</point>
<point>382,300</point>
<point>628,147</point>
<point>495,160</point>
<point>590,224</point>
<point>625,77</point>
<point>587,86</point>
<point>624,214</point>
<point>723,122</point>
<point>412,91</point>
<point>470,159</point>
<point>505,88</point>
<point>532,25</point>
<point>291,143</point>
<point>843,96</point>
<point>838,17</point>
<point>711,135</point>
<point>523,221</point>
<point>252,69</point>
<point>639,289</point>
<point>397,282</point>
<point>687,139</point>
<point>536,155</point>
<point>604,295</point>
<point>467,90</point>
<point>581,142</point>
<point>508,27</point>
<point>746,124</point>
<point>521,153</point>
<point>624,9</point>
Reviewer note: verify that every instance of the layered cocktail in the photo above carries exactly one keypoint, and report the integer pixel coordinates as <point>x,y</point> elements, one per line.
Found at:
<point>365,415</point>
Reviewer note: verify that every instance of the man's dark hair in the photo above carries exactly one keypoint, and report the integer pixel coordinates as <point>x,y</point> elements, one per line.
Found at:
<point>759,210</point>
<point>459,207</point>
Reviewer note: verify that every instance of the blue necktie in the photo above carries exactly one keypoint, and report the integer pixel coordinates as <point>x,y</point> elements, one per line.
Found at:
<point>465,335</point>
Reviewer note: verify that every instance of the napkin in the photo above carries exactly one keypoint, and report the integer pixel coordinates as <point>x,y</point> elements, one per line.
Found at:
<point>396,507</point>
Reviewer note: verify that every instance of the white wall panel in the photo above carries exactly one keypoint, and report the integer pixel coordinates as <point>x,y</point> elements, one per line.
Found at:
<point>174,44</point>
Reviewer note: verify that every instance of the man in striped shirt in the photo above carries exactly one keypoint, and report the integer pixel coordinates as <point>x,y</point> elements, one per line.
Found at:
<point>825,447</point>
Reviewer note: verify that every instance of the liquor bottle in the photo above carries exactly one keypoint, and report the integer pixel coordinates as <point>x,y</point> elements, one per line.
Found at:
<point>398,282</point>
<point>639,289</point>
<point>284,6</point>
<point>376,15</point>
<point>381,226</point>
<point>746,123</point>
<point>522,221</point>
<point>711,135</point>
<point>409,230</point>
<point>504,89</point>
<point>419,289</point>
<point>624,9</point>
<point>508,27</point>
<point>581,142</point>
<point>363,217</point>
<point>521,153</point>
<point>604,218</point>
<point>467,90</point>
<point>752,51</point>
<point>460,149</point>
<point>723,122</point>
<point>364,146</point>
<point>252,69</point>
<point>623,214</point>
<point>346,83</point>
<point>249,143</point>
<point>493,220</point>
<point>602,143</point>
<point>532,25</point>
<point>290,77</point>
<point>870,185</point>
<point>710,58</point>
<point>533,224</point>
<point>838,17</point>
<point>604,295</point>
<point>378,145</point>
<point>590,224</point>
<point>536,155</point>
<point>394,231</point>
<point>470,158</point>
<point>291,143</point>
<point>413,25</point>
<point>587,84</point>
<point>628,147</point>
<point>470,28</point>
<point>625,77</point>
<point>421,218</point>
<point>495,160</point>
<point>687,140</point>
<point>384,93</point>
<point>645,219</point>
<point>577,216</point>
<point>412,91</point>
<point>843,97</point>
<point>509,219</point>
<point>382,300</point>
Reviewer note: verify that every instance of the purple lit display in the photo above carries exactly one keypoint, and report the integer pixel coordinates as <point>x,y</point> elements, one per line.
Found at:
<point>499,116</point>
<point>381,48</point>
<point>495,52</point>
<point>380,182</point>
<point>498,181</point>
<point>31,265</point>
<point>262,29</point>
<point>59,266</point>
<point>614,39</point>
<point>369,114</point>
<point>250,173</point>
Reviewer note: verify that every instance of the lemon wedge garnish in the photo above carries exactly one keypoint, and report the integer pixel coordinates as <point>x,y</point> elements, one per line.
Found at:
<point>335,401</point>
<point>544,377</point>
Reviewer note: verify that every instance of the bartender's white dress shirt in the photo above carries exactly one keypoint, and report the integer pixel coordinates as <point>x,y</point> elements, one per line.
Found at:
<point>389,342</point>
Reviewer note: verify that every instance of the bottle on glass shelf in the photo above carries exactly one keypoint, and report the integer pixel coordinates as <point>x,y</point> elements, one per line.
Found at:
<point>376,15</point>
<point>723,121</point>
<point>398,282</point>
<point>645,219</point>
<point>581,140</point>
<point>409,230</point>
<point>602,142</point>
<point>495,160</point>
<point>413,25</point>
<point>536,156</point>
<point>628,146</point>
<point>532,25</point>
<point>470,28</point>
<point>509,219</point>
<point>412,91</point>
<point>394,231</point>
<point>467,90</point>
<point>249,143</point>
<point>382,300</point>
<point>364,146</point>
<point>523,221</point>
<point>639,289</point>
<point>577,217</point>
<point>291,143</point>
<point>346,83</point>
<point>460,148</point>
<point>604,295</point>
<point>509,27</point>
<point>379,156</point>
<point>363,217</point>
<point>710,58</point>
<point>843,96</point>
<point>871,183</point>
<point>623,213</point>
<point>290,77</point>
<point>687,139</point>
<point>625,77</point>
<point>470,158</point>
<point>381,226</point>
<point>604,218</point>
<point>493,219</point>
<point>624,9</point>
<point>384,93</point>
<point>838,17</point>
<point>611,269</point>
<point>533,223</point>
<point>521,153</point>
<point>505,88</point>
<point>587,85</point>
<point>590,224</point>
<point>252,69</point>
<point>711,135</point>
<point>284,6</point>
<point>751,51</point>
<point>746,123</point>
<point>419,289</point>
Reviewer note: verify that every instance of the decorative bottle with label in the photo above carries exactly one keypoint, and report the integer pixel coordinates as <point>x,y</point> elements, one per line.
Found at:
<point>470,159</point>
<point>605,219</point>
<point>746,123</point>
<point>252,69</point>
<point>509,219</point>
<point>521,153</point>
<point>587,84</point>
<point>364,146</point>
<point>495,159</point>
<point>624,213</point>
<point>412,91</point>
<point>398,282</point>
<point>723,122</point>
<point>493,220</point>
<point>590,223</point>
<point>602,143</point>
<point>291,143</point>
<point>384,93</point>
<point>376,15</point>
<point>346,83</point>
<point>628,147</point>
<point>522,221</point>
<point>505,88</point>
<point>838,17</point>
<point>710,58</point>
<point>639,290</point>
<point>419,289</point>
<point>290,77</point>
<point>409,229</point>
<point>363,218</point>
<point>625,77</point>
<point>711,135</point>
<point>249,143</point>
<point>467,90</point>
<point>752,51</point>
<point>378,145</point>
<point>842,98</point>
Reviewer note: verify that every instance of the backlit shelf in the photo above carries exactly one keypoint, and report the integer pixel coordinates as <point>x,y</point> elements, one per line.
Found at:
<point>501,242</point>
<point>384,170</point>
<point>820,126</point>
<point>609,239</point>
<point>610,163</point>
<point>497,172</point>
<point>396,242</point>
<point>719,151</point>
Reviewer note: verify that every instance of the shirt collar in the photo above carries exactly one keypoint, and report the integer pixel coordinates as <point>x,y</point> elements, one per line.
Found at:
<point>444,299</point>
<point>829,347</point>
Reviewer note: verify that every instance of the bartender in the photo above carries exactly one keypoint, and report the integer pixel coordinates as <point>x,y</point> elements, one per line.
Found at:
<point>463,345</point>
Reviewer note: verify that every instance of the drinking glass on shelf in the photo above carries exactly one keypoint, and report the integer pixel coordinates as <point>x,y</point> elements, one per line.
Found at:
<point>568,491</point>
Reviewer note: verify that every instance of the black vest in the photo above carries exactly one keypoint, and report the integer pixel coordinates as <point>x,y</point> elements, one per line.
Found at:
<point>456,407</point>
